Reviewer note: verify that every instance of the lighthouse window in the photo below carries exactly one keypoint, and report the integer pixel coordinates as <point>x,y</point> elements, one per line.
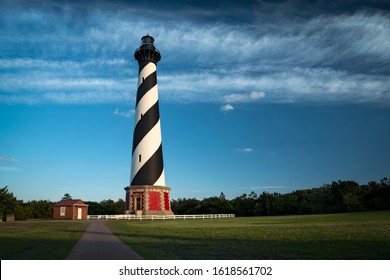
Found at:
<point>143,79</point>
<point>139,158</point>
<point>142,115</point>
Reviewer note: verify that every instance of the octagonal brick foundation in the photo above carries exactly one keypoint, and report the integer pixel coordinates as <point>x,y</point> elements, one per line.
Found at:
<point>148,200</point>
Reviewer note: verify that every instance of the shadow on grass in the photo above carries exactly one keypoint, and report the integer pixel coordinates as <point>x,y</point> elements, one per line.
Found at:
<point>179,246</point>
<point>197,248</point>
<point>35,248</point>
<point>190,248</point>
<point>48,241</point>
<point>310,237</point>
<point>39,240</point>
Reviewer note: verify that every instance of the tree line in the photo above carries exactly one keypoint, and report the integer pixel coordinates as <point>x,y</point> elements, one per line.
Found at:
<point>336,197</point>
<point>43,209</point>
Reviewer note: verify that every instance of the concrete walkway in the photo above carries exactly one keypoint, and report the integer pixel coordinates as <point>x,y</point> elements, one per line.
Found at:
<point>98,243</point>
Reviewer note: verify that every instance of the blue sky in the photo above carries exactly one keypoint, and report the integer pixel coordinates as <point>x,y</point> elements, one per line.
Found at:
<point>254,95</point>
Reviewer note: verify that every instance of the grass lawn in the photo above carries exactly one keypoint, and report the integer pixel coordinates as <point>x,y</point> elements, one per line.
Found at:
<point>335,236</point>
<point>39,240</point>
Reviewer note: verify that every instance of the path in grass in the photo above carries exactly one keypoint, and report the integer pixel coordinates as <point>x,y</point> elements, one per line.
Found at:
<point>98,243</point>
<point>338,236</point>
<point>39,240</point>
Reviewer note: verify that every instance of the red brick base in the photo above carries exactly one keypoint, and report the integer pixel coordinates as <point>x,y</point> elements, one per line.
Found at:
<point>151,200</point>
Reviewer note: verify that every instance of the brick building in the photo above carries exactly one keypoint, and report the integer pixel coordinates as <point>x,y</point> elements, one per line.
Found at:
<point>70,209</point>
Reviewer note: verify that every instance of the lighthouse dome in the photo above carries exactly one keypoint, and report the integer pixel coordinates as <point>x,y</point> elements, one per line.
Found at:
<point>147,40</point>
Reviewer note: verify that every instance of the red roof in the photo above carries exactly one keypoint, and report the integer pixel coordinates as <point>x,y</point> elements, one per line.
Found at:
<point>70,202</point>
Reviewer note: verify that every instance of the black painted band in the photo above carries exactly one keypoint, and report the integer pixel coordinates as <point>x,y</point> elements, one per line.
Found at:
<point>149,82</point>
<point>151,171</point>
<point>145,124</point>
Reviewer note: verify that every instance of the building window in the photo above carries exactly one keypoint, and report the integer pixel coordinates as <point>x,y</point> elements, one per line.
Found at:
<point>62,211</point>
<point>139,158</point>
<point>143,79</point>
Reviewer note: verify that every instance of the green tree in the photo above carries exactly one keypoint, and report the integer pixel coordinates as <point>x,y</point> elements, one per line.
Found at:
<point>95,208</point>
<point>244,205</point>
<point>120,206</point>
<point>185,206</point>
<point>8,202</point>
<point>42,209</point>
<point>109,207</point>
<point>351,201</point>
<point>265,199</point>
<point>20,211</point>
<point>377,195</point>
<point>67,196</point>
<point>338,191</point>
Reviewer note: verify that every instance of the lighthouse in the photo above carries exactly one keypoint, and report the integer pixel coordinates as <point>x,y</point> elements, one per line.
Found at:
<point>147,193</point>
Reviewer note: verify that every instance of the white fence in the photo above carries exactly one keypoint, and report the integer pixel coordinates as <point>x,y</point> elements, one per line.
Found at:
<point>159,217</point>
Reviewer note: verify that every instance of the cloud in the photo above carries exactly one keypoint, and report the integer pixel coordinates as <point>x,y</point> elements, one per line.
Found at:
<point>244,98</point>
<point>9,168</point>
<point>226,108</point>
<point>9,159</point>
<point>6,168</point>
<point>126,114</point>
<point>244,150</point>
<point>67,82</point>
<point>76,53</point>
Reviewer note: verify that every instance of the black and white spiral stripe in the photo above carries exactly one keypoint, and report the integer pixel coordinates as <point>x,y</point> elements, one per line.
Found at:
<point>147,160</point>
